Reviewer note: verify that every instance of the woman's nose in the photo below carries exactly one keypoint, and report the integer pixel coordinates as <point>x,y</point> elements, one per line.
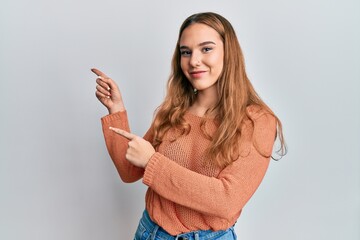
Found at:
<point>195,59</point>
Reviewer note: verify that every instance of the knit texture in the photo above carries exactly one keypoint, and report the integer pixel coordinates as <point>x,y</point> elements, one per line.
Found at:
<point>186,192</point>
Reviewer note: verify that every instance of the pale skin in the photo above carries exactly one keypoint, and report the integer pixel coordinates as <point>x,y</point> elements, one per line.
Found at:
<point>201,61</point>
<point>202,58</point>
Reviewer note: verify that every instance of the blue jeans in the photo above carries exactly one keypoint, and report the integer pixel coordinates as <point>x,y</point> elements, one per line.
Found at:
<point>148,230</point>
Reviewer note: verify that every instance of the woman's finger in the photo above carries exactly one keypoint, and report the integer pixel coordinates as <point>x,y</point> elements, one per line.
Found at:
<point>103,84</point>
<point>104,80</point>
<point>100,95</point>
<point>125,134</point>
<point>108,82</point>
<point>102,90</point>
<point>99,73</point>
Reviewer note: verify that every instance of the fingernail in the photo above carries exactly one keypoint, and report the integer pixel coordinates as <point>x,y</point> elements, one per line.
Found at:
<point>108,96</point>
<point>100,77</point>
<point>108,89</point>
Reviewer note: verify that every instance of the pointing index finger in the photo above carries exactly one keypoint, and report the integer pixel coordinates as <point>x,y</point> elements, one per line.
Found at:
<point>125,134</point>
<point>99,73</point>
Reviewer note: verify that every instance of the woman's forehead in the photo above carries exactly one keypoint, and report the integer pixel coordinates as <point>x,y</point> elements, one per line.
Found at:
<point>198,33</point>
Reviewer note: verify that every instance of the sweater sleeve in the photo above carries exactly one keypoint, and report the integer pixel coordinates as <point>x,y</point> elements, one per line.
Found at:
<point>117,146</point>
<point>221,196</point>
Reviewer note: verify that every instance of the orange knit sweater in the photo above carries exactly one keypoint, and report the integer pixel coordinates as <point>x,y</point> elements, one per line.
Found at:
<point>185,192</point>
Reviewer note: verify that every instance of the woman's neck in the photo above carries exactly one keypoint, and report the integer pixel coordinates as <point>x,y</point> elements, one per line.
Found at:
<point>205,100</point>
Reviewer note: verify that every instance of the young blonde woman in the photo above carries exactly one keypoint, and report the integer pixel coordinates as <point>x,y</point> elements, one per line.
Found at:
<point>210,142</point>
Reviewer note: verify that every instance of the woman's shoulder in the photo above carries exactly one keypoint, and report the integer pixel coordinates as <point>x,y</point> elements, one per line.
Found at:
<point>255,112</point>
<point>261,117</point>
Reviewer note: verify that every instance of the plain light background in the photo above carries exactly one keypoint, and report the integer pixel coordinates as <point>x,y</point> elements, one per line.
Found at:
<point>56,178</point>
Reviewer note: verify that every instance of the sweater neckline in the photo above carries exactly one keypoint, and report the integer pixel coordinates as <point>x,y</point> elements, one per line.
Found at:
<point>197,116</point>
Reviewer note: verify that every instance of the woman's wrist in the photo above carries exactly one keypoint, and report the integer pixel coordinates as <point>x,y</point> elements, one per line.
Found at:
<point>117,108</point>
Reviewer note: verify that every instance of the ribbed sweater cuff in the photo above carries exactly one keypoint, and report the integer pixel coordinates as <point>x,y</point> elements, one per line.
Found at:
<point>113,117</point>
<point>151,169</point>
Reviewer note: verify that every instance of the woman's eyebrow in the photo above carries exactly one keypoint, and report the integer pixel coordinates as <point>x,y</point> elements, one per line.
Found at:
<point>200,44</point>
<point>206,43</point>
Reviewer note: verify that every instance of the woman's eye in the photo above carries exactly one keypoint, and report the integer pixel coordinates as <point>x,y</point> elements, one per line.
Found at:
<point>207,49</point>
<point>185,53</point>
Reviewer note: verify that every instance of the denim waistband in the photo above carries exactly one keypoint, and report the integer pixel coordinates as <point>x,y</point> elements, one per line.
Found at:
<point>155,229</point>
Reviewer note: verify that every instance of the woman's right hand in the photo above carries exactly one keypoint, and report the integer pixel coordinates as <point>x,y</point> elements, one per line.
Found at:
<point>108,92</point>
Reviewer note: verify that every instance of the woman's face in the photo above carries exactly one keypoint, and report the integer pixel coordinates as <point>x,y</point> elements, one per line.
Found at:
<point>202,56</point>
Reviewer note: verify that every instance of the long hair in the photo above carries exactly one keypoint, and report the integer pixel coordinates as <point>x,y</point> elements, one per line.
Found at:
<point>235,92</point>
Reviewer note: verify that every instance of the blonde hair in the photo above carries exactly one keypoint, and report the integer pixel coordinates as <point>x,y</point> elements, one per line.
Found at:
<point>235,91</point>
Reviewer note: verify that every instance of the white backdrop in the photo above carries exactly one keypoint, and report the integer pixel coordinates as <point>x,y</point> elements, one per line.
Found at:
<point>56,178</point>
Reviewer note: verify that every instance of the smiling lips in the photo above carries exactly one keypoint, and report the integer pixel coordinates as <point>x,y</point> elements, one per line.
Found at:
<point>197,74</point>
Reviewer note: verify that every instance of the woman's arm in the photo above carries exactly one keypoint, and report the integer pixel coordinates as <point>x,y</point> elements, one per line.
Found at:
<point>118,145</point>
<point>109,95</point>
<point>221,196</point>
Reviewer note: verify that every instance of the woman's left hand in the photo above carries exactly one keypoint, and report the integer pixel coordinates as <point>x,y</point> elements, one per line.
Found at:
<point>139,151</point>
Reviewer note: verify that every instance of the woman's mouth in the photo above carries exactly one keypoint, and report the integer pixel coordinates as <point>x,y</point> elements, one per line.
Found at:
<point>197,74</point>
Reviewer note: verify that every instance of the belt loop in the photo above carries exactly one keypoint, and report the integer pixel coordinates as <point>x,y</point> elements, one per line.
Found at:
<point>153,234</point>
<point>196,235</point>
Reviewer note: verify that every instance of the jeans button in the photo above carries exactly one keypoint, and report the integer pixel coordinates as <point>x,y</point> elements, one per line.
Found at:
<point>182,238</point>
